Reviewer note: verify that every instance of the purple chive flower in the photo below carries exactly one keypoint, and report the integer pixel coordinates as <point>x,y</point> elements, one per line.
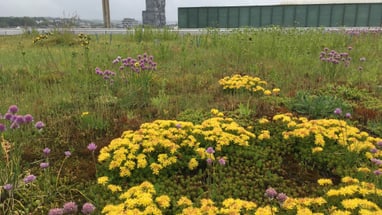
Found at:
<point>348,115</point>
<point>209,161</point>
<point>374,150</point>
<point>377,172</point>
<point>2,127</point>
<point>281,197</point>
<point>70,207</point>
<point>88,208</point>
<point>39,125</point>
<point>14,125</point>
<point>13,109</point>
<point>8,187</point>
<point>376,161</point>
<point>46,151</point>
<point>67,153</point>
<point>92,147</point>
<point>29,178</point>
<point>379,144</point>
<point>338,111</point>
<point>270,193</point>
<point>56,211</point>
<point>222,161</point>
<point>44,165</point>
<point>28,118</point>
<point>19,119</point>
<point>8,116</point>
<point>210,150</point>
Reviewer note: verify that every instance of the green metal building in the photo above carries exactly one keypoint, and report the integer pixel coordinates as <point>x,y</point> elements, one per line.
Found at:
<point>285,15</point>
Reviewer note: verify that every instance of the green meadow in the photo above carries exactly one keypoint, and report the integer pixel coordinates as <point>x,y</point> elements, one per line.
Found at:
<point>252,121</point>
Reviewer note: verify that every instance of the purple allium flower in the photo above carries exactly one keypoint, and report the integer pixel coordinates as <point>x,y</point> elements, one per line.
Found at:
<point>377,172</point>
<point>348,115</point>
<point>92,146</point>
<point>28,118</point>
<point>29,178</point>
<point>14,125</point>
<point>39,125</point>
<point>88,208</point>
<point>222,161</point>
<point>210,150</point>
<point>8,187</point>
<point>209,161</point>
<point>281,197</point>
<point>67,153</point>
<point>178,125</point>
<point>374,150</point>
<point>70,207</point>
<point>46,151</point>
<point>19,119</point>
<point>56,211</point>
<point>376,161</point>
<point>338,111</point>
<point>13,109</point>
<point>44,165</point>
<point>8,116</point>
<point>379,144</point>
<point>270,193</point>
<point>2,127</point>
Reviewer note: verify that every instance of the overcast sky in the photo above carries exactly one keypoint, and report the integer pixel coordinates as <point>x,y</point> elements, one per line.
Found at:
<point>119,9</point>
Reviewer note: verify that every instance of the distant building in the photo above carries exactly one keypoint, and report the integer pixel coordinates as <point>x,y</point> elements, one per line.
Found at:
<point>129,22</point>
<point>154,14</point>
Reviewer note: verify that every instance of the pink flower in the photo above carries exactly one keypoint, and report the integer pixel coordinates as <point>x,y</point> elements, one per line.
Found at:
<point>92,146</point>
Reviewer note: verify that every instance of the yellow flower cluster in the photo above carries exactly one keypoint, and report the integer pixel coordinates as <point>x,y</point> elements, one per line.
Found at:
<point>360,203</point>
<point>230,206</point>
<point>41,37</point>
<point>222,131</point>
<point>325,181</point>
<point>248,83</point>
<point>163,139</point>
<point>139,200</point>
<point>291,203</point>
<point>362,188</point>
<point>328,129</point>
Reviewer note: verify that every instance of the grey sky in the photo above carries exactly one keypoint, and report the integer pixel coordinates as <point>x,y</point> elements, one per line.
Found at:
<point>119,9</point>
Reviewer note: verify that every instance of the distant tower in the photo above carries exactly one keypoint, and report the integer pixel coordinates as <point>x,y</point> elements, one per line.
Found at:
<point>106,13</point>
<point>154,14</point>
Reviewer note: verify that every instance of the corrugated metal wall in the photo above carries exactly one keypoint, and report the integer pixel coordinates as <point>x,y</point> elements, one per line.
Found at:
<point>312,15</point>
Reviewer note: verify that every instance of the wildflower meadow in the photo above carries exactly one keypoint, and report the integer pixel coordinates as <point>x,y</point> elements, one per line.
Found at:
<point>154,121</point>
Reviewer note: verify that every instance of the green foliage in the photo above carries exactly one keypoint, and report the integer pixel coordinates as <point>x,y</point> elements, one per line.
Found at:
<point>195,116</point>
<point>317,106</point>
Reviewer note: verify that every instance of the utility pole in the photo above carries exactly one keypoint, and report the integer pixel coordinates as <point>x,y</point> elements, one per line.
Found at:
<point>106,13</point>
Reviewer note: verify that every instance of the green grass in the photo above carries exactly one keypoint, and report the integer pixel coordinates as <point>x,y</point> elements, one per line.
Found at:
<point>55,81</point>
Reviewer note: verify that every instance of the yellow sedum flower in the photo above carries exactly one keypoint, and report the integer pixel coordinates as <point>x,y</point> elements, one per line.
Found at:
<point>317,149</point>
<point>184,201</point>
<point>325,181</point>
<point>103,180</point>
<point>193,163</point>
<point>114,188</point>
<point>163,201</point>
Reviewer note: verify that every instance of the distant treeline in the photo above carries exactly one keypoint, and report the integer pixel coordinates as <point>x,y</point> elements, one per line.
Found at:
<point>10,22</point>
